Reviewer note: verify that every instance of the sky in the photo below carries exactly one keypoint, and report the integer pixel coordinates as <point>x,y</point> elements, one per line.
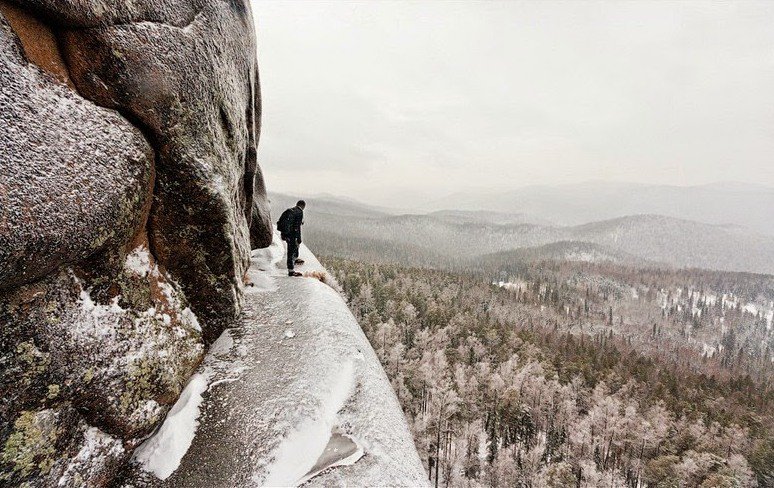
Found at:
<point>393,103</point>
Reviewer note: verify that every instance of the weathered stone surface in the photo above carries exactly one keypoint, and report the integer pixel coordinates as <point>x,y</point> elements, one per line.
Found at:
<point>189,78</point>
<point>54,444</point>
<point>92,13</point>
<point>130,195</point>
<point>73,176</point>
<point>120,365</point>
<point>38,41</point>
<point>261,216</point>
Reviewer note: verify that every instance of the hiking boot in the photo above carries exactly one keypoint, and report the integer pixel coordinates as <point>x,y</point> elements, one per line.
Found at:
<point>294,273</point>
<point>299,261</point>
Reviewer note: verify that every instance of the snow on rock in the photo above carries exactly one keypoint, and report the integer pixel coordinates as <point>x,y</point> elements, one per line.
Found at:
<point>199,232</point>
<point>263,266</point>
<point>342,450</point>
<point>317,410</point>
<point>162,452</point>
<point>190,319</point>
<point>138,261</point>
<point>298,453</point>
<point>82,182</point>
<point>270,256</point>
<point>74,176</point>
<point>223,345</point>
<point>98,449</point>
<point>258,282</point>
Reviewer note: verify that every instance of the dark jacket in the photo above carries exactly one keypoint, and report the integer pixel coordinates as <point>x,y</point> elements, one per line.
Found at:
<point>295,223</point>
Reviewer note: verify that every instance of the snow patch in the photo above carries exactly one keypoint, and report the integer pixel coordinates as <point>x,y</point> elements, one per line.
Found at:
<point>511,285</point>
<point>336,443</point>
<point>297,455</point>
<point>190,318</point>
<point>259,281</point>
<point>161,454</point>
<point>268,256</point>
<point>138,261</point>
<point>87,304</point>
<point>263,267</point>
<point>223,345</point>
<point>93,315</point>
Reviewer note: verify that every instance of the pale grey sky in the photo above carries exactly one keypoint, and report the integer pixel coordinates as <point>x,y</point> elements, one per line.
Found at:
<point>390,100</point>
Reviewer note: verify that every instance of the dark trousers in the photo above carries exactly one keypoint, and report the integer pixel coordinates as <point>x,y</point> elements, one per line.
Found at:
<point>292,251</point>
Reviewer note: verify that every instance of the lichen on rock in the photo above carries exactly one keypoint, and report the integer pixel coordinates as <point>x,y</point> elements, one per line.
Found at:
<point>32,444</point>
<point>129,196</point>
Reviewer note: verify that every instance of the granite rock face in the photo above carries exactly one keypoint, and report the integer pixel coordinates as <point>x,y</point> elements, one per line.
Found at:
<point>75,176</point>
<point>129,197</point>
<point>261,216</point>
<point>80,366</point>
<point>188,76</point>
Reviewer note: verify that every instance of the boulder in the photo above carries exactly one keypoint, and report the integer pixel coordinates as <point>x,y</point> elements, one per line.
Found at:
<point>74,177</point>
<point>118,364</point>
<point>129,197</point>
<point>96,340</point>
<point>186,73</point>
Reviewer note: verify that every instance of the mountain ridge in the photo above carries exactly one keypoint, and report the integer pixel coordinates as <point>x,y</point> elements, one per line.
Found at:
<point>650,237</point>
<point>571,204</point>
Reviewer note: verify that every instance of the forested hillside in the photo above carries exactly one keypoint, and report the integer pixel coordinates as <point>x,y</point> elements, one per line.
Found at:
<point>439,239</point>
<point>576,374</point>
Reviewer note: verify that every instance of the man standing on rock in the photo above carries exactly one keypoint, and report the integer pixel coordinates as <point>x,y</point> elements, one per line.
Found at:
<point>289,226</point>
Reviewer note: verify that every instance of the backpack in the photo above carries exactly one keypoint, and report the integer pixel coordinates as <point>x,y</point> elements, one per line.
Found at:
<point>283,224</point>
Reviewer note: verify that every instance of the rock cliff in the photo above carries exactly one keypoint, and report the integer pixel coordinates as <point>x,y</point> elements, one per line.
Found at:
<point>292,394</point>
<point>129,197</point>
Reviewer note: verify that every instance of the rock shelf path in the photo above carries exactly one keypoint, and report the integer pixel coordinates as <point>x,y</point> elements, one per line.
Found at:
<point>295,395</point>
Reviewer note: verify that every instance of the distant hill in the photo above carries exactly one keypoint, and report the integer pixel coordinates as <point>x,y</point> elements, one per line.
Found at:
<point>487,216</point>
<point>683,242</point>
<point>324,204</point>
<point>575,251</point>
<point>342,228</point>
<point>719,203</point>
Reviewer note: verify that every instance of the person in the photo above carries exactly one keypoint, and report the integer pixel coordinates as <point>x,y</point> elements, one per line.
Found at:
<point>289,225</point>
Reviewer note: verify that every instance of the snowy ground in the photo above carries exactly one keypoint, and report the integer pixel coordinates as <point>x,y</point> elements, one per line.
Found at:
<point>293,395</point>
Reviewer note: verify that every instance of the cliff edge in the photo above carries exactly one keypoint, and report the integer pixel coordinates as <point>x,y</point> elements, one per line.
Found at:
<point>294,394</point>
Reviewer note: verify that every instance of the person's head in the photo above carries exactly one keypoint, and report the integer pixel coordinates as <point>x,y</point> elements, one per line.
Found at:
<point>300,204</point>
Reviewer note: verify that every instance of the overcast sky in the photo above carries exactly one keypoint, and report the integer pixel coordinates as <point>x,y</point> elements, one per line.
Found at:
<point>393,101</point>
